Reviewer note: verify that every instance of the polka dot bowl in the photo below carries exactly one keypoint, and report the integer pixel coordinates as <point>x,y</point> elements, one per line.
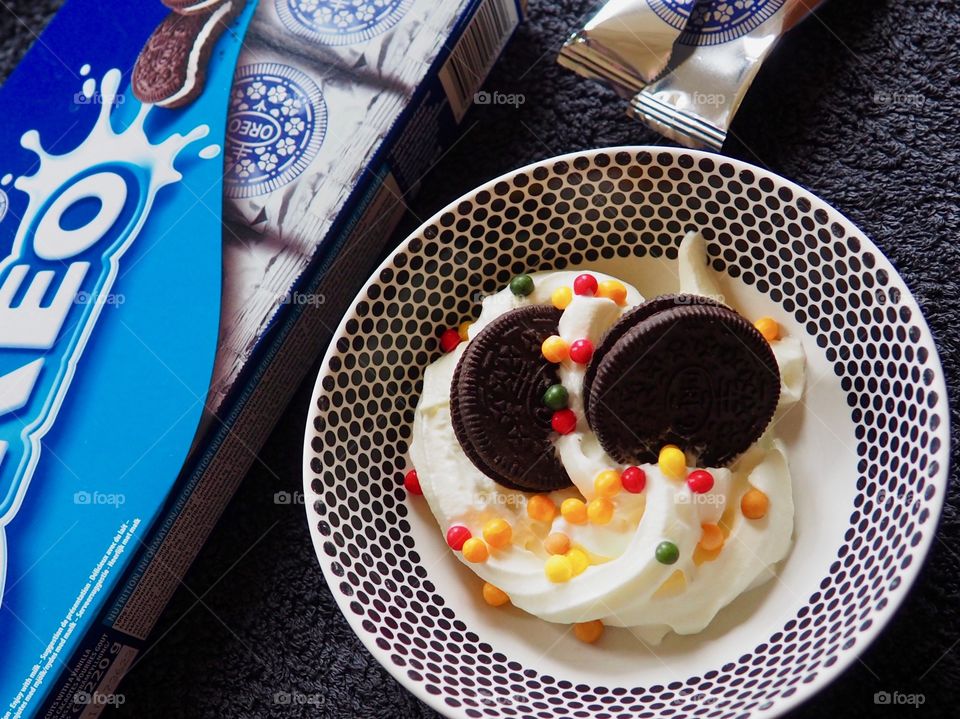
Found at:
<point>868,446</point>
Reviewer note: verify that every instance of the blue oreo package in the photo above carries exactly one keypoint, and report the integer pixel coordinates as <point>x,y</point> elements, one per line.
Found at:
<point>147,344</point>
<point>110,286</point>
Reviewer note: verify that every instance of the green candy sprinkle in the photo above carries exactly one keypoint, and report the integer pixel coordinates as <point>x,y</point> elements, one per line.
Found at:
<point>521,285</point>
<point>556,396</point>
<point>667,553</point>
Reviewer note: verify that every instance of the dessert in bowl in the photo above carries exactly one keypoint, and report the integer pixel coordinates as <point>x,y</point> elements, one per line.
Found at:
<point>865,447</point>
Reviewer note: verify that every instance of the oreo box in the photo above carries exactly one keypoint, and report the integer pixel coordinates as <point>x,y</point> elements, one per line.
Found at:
<point>190,194</point>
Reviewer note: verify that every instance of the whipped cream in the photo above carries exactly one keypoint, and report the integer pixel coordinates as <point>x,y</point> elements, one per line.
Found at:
<point>624,585</point>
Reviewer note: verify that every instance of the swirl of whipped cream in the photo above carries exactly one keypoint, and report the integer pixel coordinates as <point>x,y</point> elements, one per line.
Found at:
<point>624,585</point>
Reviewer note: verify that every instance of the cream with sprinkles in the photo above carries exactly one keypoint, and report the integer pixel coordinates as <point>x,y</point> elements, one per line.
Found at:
<point>659,546</point>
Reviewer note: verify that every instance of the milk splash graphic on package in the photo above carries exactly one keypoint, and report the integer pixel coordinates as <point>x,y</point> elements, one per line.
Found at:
<point>85,208</point>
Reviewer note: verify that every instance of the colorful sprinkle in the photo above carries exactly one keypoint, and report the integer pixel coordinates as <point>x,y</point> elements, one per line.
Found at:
<point>711,537</point>
<point>561,297</point>
<point>667,553</point>
<point>494,596</point>
<point>588,632</point>
<point>456,536</point>
<point>412,482</point>
<point>607,483</point>
<point>449,340</point>
<point>521,285</point>
<point>463,330</point>
<point>613,290</point>
<point>574,511</point>
<point>769,328</point>
<point>564,421</point>
<point>672,461</point>
<point>578,558</point>
<point>498,533</point>
<point>700,481</point>
<point>555,349</point>
<point>581,351</point>
<point>754,504</point>
<point>556,396</point>
<point>557,543</point>
<point>540,508</point>
<point>585,285</point>
<point>634,480</point>
<point>600,510</point>
<point>558,569</point>
<point>475,550</point>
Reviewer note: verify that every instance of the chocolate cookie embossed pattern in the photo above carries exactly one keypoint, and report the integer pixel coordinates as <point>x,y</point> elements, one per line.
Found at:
<point>874,404</point>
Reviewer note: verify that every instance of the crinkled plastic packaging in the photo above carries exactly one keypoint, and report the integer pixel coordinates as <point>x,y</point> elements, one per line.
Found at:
<point>685,65</point>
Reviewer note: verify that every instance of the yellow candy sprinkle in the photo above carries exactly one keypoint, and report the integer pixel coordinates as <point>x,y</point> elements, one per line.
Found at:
<point>475,550</point>
<point>600,510</point>
<point>588,632</point>
<point>555,349</point>
<point>498,533</point>
<point>561,297</point>
<point>574,511</point>
<point>613,290</point>
<point>463,329</point>
<point>672,462</point>
<point>607,483</point>
<point>711,538</point>
<point>754,504</point>
<point>541,508</point>
<point>672,585</point>
<point>494,596</point>
<point>558,569</point>
<point>578,558</point>
<point>557,543</point>
<point>769,328</point>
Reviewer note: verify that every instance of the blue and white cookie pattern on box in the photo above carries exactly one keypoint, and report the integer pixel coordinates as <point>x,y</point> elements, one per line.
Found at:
<point>340,22</point>
<point>708,22</point>
<point>277,123</point>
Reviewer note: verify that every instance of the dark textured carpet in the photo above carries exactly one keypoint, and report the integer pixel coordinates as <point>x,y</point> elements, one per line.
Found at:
<point>860,105</point>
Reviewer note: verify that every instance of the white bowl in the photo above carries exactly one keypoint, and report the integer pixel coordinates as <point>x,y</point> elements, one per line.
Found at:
<point>868,448</point>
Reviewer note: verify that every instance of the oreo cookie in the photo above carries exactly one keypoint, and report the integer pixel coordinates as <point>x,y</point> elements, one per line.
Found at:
<point>171,69</point>
<point>190,7</point>
<point>496,401</point>
<point>697,376</point>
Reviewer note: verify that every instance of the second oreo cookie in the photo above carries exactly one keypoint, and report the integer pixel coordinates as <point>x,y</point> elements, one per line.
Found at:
<point>697,376</point>
<point>496,401</point>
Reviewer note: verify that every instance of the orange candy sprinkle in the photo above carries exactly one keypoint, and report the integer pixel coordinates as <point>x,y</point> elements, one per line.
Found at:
<point>541,508</point>
<point>712,537</point>
<point>557,543</point>
<point>574,511</point>
<point>588,632</point>
<point>475,550</point>
<point>754,504</point>
<point>494,596</point>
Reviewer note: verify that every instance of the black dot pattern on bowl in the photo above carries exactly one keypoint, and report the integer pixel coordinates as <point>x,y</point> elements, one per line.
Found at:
<point>571,212</point>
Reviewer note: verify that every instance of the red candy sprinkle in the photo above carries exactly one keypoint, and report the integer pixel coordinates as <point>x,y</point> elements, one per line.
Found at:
<point>412,482</point>
<point>633,479</point>
<point>564,421</point>
<point>585,285</point>
<point>700,481</point>
<point>581,351</point>
<point>457,535</point>
<point>449,339</point>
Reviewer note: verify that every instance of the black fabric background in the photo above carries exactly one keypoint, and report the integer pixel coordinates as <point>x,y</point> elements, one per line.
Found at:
<point>836,110</point>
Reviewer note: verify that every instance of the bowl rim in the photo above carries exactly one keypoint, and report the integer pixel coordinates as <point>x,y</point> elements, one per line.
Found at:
<point>908,576</point>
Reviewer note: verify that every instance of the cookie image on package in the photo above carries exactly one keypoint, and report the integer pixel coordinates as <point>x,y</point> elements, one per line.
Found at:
<point>189,7</point>
<point>171,69</point>
<point>697,376</point>
<point>496,401</point>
